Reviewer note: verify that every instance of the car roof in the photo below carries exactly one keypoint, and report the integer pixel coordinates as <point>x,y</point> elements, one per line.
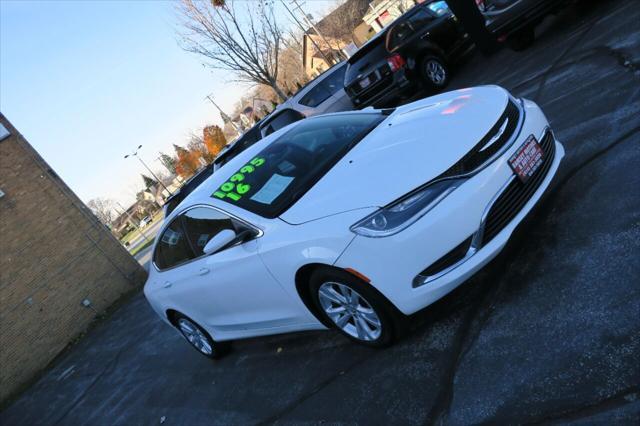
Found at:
<point>311,83</point>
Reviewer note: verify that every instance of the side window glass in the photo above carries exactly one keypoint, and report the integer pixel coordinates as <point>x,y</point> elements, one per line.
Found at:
<point>399,34</point>
<point>202,224</point>
<point>421,19</point>
<point>173,248</point>
<point>316,96</point>
<point>335,81</point>
<point>284,118</point>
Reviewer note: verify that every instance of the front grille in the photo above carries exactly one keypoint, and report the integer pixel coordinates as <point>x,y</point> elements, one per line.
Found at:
<point>451,258</point>
<point>475,158</point>
<point>516,195</point>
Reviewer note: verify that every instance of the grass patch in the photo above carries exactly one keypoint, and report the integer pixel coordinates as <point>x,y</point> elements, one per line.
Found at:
<point>142,247</point>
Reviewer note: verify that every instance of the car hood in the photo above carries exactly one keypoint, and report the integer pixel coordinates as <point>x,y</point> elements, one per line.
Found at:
<point>415,144</point>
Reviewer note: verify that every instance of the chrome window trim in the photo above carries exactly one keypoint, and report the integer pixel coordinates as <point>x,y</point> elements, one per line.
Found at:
<point>477,237</point>
<point>259,231</point>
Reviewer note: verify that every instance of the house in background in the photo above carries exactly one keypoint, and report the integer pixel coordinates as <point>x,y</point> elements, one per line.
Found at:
<point>316,61</point>
<point>383,12</point>
<point>341,28</point>
<point>153,192</point>
<point>130,219</point>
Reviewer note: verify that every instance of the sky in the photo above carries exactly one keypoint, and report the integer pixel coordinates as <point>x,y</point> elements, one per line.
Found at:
<point>86,82</point>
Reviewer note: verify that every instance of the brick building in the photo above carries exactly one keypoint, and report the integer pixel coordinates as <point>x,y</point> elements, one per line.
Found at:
<point>54,254</point>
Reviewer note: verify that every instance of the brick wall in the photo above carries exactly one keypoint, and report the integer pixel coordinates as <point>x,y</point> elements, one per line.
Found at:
<point>53,254</point>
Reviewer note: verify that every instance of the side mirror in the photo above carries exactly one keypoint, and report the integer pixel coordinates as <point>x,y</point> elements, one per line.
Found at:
<point>221,239</point>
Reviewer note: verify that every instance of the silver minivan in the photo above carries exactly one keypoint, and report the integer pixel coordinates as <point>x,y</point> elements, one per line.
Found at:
<point>322,95</point>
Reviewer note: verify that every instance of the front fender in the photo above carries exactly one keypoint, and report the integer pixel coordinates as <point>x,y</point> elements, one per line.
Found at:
<point>286,248</point>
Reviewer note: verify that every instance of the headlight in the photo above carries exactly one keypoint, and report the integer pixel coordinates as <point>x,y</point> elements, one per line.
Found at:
<point>404,212</point>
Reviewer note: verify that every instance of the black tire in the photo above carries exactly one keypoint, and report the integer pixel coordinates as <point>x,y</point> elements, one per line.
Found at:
<point>434,72</point>
<point>218,349</point>
<point>368,297</point>
<point>522,39</point>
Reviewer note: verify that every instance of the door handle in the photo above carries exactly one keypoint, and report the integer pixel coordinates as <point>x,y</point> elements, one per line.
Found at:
<point>167,284</point>
<point>203,271</point>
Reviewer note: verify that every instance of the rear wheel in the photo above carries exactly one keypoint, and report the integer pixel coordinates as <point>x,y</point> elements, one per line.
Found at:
<point>199,338</point>
<point>435,72</point>
<point>353,307</point>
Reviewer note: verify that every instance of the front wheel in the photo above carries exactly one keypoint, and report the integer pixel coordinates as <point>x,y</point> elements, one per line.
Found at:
<point>435,72</point>
<point>199,339</point>
<point>354,308</point>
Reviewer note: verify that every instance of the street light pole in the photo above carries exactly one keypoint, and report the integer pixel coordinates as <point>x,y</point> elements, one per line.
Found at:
<point>135,154</point>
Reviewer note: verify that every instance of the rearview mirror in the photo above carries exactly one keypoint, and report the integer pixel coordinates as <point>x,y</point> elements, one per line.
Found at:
<point>220,240</point>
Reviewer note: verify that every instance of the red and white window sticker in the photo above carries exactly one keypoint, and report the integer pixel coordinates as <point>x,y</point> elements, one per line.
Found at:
<point>527,159</point>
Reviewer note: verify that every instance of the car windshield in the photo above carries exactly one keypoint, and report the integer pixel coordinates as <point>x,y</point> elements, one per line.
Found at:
<point>250,137</point>
<point>276,177</point>
<point>187,188</point>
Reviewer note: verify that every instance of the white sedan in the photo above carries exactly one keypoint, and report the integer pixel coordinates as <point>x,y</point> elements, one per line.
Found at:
<point>351,220</point>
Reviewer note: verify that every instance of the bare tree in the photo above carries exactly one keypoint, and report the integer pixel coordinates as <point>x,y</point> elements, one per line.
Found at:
<point>248,45</point>
<point>343,19</point>
<point>103,208</point>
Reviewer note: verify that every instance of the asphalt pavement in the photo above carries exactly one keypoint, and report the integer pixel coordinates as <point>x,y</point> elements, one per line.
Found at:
<point>549,332</point>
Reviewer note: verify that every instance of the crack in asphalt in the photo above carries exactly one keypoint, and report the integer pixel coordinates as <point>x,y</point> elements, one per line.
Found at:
<point>441,406</point>
<point>107,370</point>
<point>469,332</point>
<point>556,62</point>
<point>320,386</point>
<point>618,400</point>
<point>571,173</point>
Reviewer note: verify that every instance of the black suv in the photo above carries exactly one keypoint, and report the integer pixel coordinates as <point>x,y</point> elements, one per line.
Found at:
<point>412,53</point>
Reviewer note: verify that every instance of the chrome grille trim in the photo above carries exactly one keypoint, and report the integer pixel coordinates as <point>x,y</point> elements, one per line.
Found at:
<point>478,240</point>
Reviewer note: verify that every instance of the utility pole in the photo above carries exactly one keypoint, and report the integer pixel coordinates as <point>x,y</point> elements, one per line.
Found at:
<point>135,154</point>
<point>125,211</point>
<point>298,7</point>
<point>304,30</point>
<point>225,117</point>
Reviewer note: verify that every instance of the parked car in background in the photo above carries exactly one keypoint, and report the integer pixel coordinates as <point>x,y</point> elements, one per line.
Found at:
<point>323,94</point>
<point>145,221</point>
<point>414,52</point>
<point>187,187</point>
<point>514,21</point>
<point>279,118</point>
<point>248,138</point>
<point>274,121</point>
<point>302,231</point>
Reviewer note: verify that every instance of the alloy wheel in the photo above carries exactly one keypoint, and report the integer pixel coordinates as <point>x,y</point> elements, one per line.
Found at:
<point>349,311</point>
<point>195,336</point>
<point>436,72</point>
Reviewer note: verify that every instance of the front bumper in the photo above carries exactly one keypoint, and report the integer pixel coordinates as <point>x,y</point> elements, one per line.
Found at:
<point>394,263</point>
